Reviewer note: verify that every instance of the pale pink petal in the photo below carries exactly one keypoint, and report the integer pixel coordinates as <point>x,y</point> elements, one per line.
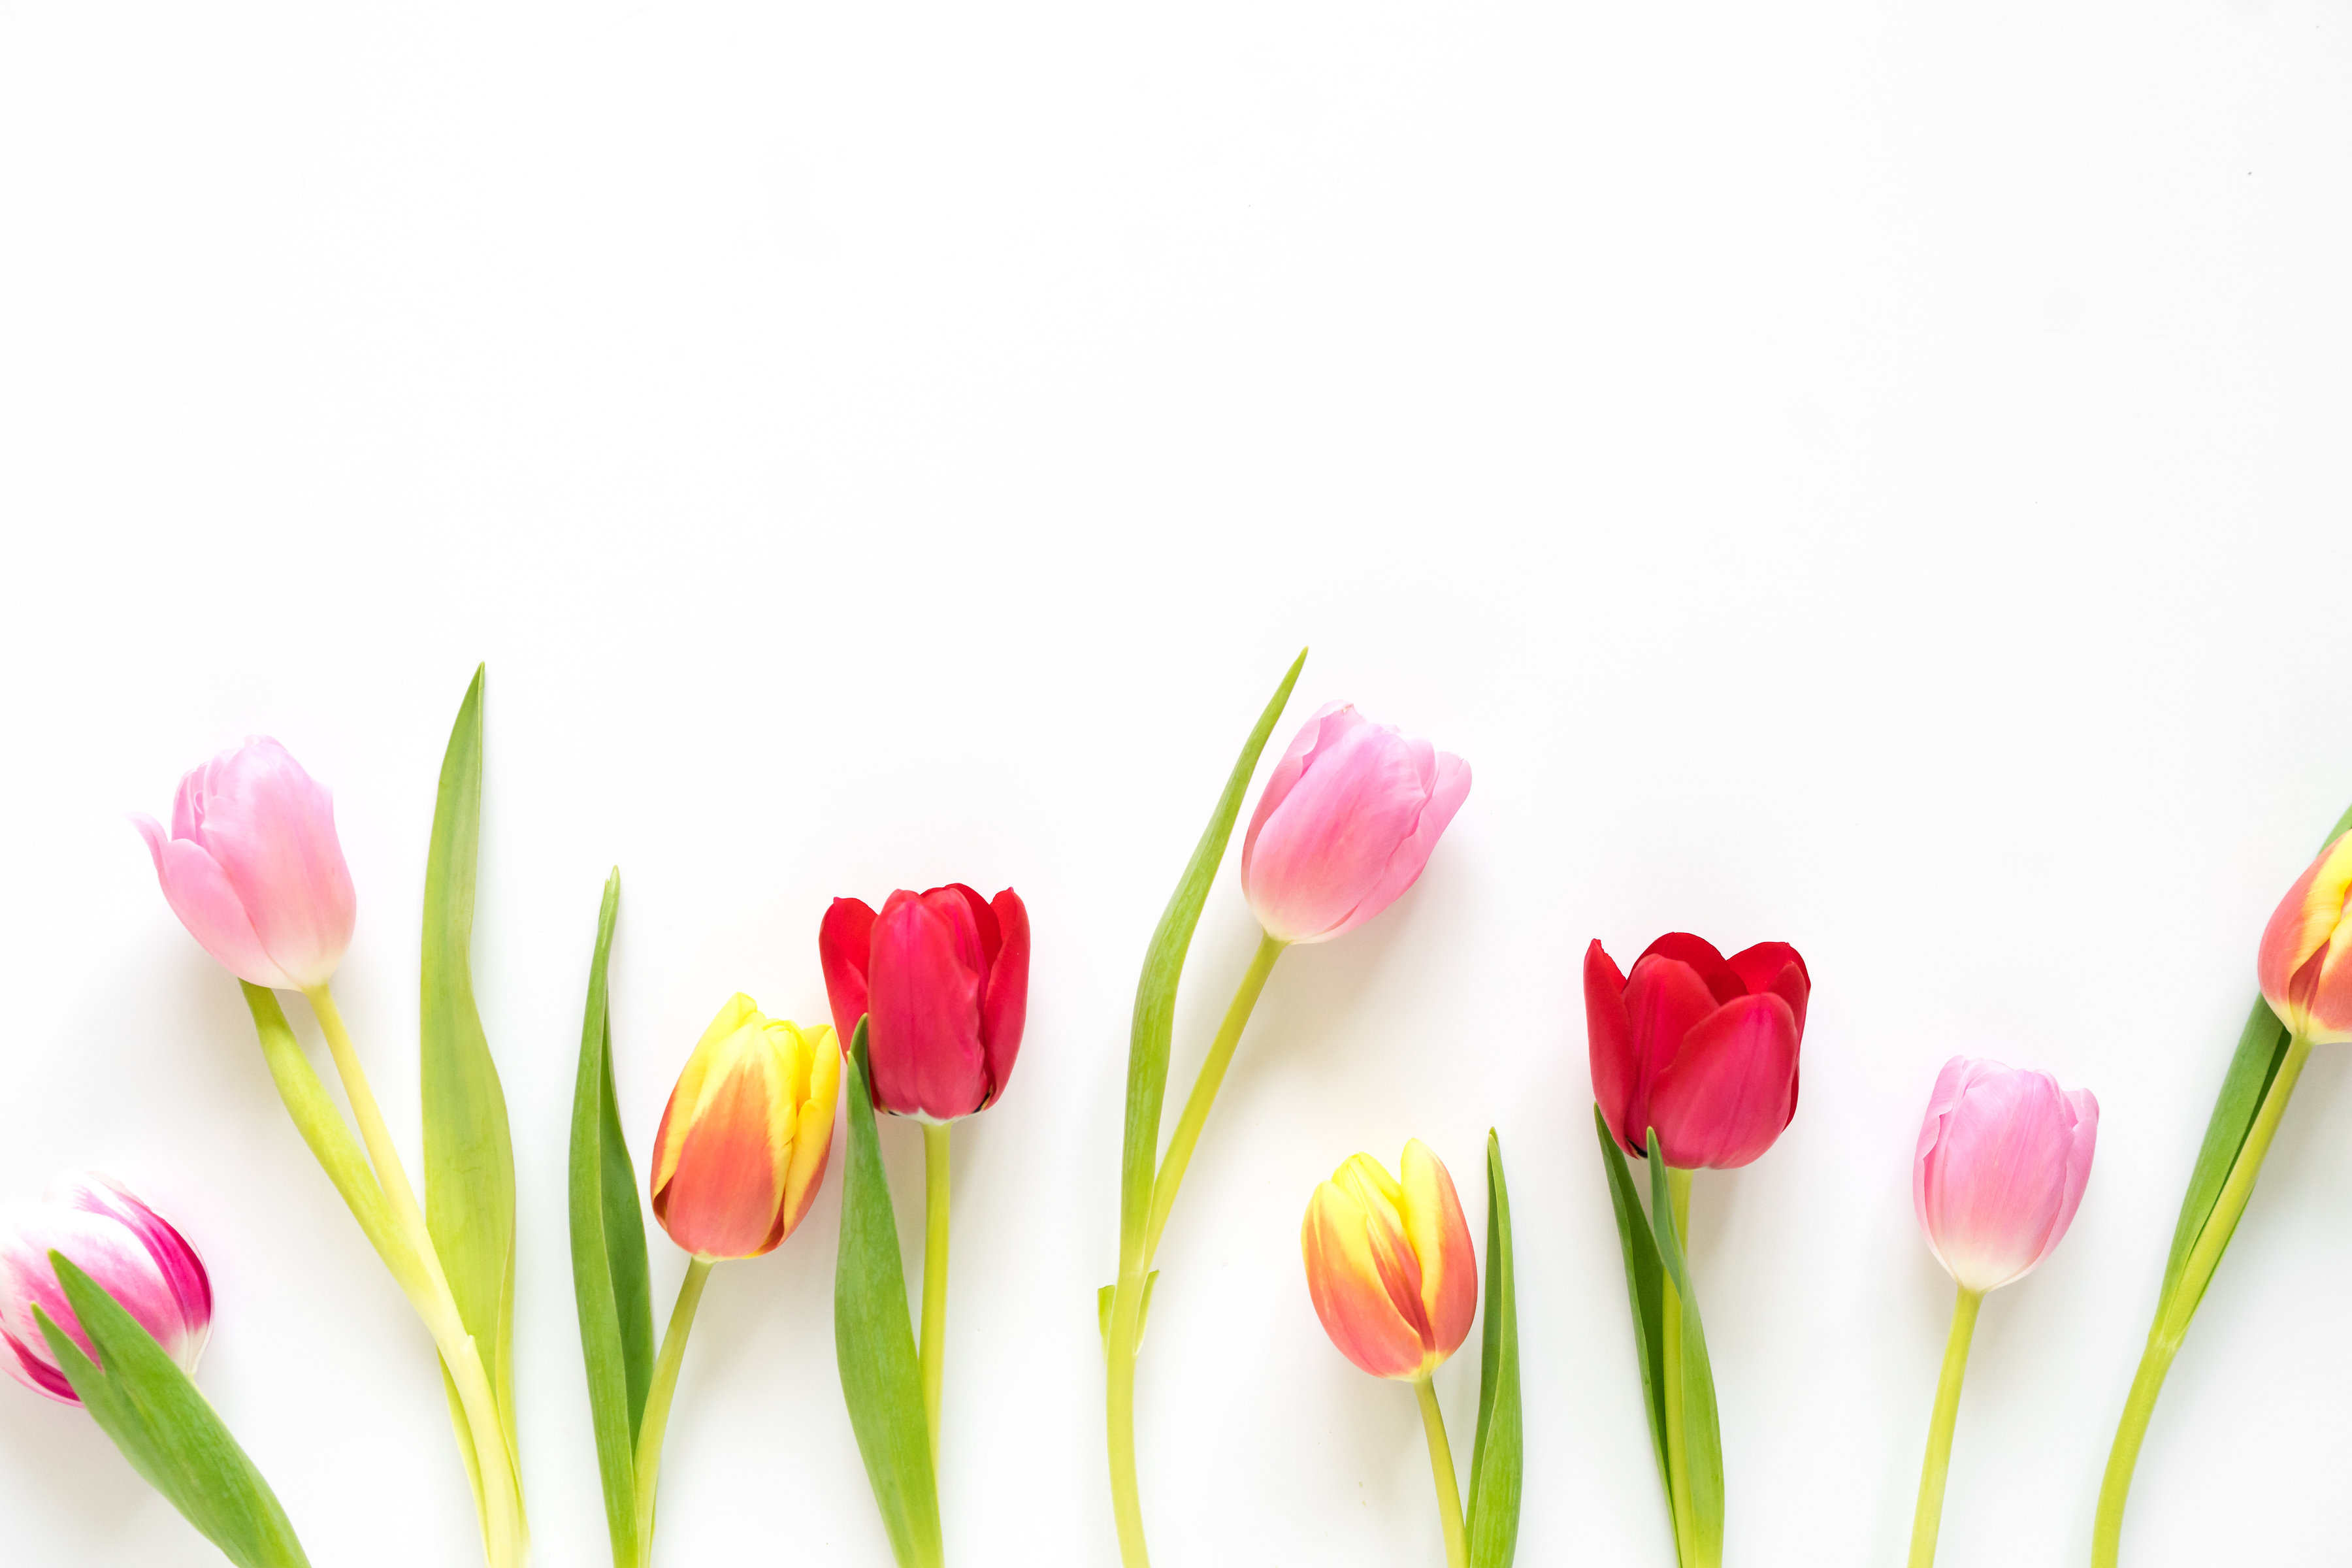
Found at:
<point>1451,788</point>
<point>1323,851</point>
<point>199,892</point>
<point>272,827</point>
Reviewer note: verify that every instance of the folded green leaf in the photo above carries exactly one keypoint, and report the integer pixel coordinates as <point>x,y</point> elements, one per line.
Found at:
<point>1496,1460</point>
<point>1702,1438</point>
<point>874,1337</point>
<point>1155,992</point>
<point>173,1438</point>
<point>470,1187</point>
<point>609,1269</point>
<point>1644,1293</point>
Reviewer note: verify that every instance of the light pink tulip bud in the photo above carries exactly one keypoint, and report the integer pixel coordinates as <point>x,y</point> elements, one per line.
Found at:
<point>2306,963</point>
<point>253,868</point>
<point>144,1263</point>
<point>1346,824</point>
<point>2003,1158</point>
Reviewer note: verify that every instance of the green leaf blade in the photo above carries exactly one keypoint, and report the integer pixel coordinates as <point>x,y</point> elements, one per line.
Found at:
<point>1497,1460</point>
<point>874,1337</point>
<point>1644,1292</point>
<point>1701,1436</point>
<point>169,1432</point>
<point>469,1184</point>
<point>610,1277</point>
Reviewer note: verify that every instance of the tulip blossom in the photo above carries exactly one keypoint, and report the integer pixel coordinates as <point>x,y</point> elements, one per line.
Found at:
<point>2003,1158</point>
<point>2305,962</point>
<point>1700,1047</point>
<point>1388,1264</point>
<point>253,868</point>
<point>741,1147</point>
<point>135,1253</point>
<point>1346,824</point>
<point>942,978</point>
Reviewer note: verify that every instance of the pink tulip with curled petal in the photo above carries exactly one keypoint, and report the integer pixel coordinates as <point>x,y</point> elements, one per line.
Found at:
<point>143,1262</point>
<point>2305,962</point>
<point>1345,825</point>
<point>253,868</point>
<point>2004,1155</point>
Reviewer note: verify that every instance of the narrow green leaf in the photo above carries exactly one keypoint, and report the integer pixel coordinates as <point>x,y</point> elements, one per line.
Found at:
<point>609,1268</point>
<point>1104,1297</point>
<point>1496,1460</point>
<point>469,1186</point>
<point>1155,992</point>
<point>172,1436</point>
<point>874,1337</point>
<point>1644,1293</point>
<point>1702,1438</point>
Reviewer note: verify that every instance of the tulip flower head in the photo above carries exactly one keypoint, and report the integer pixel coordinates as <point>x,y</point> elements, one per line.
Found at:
<point>253,868</point>
<point>1388,1264</point>
<point>135,1253</point>
<point>2305,962</point>
<point>2004,1155</point>
<point>942,979</point>
<point>740,1151</point>
<point>1346,824</point>
<point>1700,1047</point>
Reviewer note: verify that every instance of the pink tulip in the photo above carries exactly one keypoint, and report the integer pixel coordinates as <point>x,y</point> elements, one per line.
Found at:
<point>144,1264</point>
<point>1346,824</point>
<point>2003,1158</point>
<point>253,868</point>
<point>2305,962</point>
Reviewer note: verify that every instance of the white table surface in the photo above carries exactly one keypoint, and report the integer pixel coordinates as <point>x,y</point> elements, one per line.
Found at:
<point>1858,477</point>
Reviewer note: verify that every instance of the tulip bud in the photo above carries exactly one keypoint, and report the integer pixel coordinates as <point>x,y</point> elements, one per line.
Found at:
<point>1700,1047</point>
<point>2305,962</point>
<point>253,868</point>
<point>1346,822</point>
<point>741,1151</point>
<point>942,979</point>
<point>134,1252</point>
<point>1388,1264</point>
<point>2003,1158</point>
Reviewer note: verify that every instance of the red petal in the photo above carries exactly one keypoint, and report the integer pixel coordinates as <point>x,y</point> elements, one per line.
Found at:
<point>1004,1006</point>
<point>1704,960</point>
<point>924,1028</point>
<point>1727,1097</point>
<point>844,939</point>
<point>1608,1035</point>
<point>1776,967</point>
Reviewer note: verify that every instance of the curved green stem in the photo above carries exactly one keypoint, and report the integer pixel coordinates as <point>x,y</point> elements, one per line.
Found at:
<point>2173,1316</point>
<point>1678,1499</point>
<point>1926,1518</point>
<point>506,1536</point>
<point>1204,1092</point>
<point>655,1424</point>
<point>934,1351</point>
<point>1441,1469</point>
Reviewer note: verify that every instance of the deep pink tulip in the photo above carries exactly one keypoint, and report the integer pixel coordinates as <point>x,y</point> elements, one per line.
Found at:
<point>144,1263</point>
<point>2305,962</point>
<point>1346,822</point>
<point>2003,1158</point>
<point>942,979</point>
<point>1700,1047</point>
<point>253,868</point>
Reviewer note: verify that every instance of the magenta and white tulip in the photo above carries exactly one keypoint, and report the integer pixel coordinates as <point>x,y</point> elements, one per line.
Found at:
<point>252,866</point>
<point>140,1258</point>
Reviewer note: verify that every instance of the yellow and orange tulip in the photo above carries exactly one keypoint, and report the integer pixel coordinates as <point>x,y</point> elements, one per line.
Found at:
<point>2306,963</point>
<point>741,1149</point>
<point>1390,1265</point>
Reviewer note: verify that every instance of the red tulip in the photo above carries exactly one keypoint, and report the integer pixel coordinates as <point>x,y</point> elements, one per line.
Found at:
<point>942,979</point>
<point>1700,1047</point>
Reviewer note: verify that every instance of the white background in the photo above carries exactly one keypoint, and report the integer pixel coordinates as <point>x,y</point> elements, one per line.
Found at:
<point>1867,477</point>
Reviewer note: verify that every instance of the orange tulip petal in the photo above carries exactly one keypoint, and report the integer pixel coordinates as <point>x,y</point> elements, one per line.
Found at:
<point>1345,1278</point>
<point>1440,1236</point>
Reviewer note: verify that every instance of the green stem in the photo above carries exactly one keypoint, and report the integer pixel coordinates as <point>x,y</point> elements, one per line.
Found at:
<point>655,1424</point>
<point>1135,1262</point>
<point>2172,1317</point>
<point>934,1351</point>
<point>1928,1516</point>
<point>1678,1186</point>
<point>506,1537</point>
<point>1441,1468</point>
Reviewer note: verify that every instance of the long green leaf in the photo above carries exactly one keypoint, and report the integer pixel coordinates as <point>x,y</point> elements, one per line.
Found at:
<point>1155,992</point>
<point>874,1338</point>
<point>469,1184</point>
<point>1496,1459</point>
<point>1644,1293</point>
<point>610,1274</point>
<point>172,1436</point>
<point>1702,1438</point>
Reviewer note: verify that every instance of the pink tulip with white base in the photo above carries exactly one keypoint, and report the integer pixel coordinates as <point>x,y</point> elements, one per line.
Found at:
<point>143,1262</point>
<point>2003,1157</point>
